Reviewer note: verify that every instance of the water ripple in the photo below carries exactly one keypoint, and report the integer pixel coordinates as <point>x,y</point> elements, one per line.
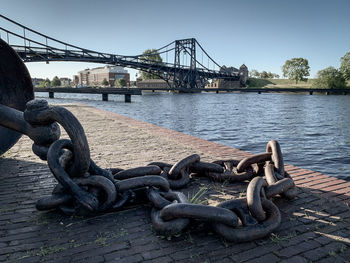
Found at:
<point>313,131</point>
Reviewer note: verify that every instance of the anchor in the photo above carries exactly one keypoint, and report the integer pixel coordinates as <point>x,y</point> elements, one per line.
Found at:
<point>16,89</point>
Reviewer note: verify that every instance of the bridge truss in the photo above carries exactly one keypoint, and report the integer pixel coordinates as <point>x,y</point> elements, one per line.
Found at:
<point>180,67</point>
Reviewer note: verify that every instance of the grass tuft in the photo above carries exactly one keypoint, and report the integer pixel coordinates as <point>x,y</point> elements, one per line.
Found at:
<point>196,198</point>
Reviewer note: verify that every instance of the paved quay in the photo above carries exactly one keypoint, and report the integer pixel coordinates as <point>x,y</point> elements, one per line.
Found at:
<point>315,226</point>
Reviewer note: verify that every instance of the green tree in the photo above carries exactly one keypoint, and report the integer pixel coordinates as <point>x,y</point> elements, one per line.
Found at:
<point>329,78</point>
<point>264,75</point>
<point>45,84</point>
<point>296,69</point>
<point>105,82</point>
<point>120,83</point>
<point>56,82</point>
<point>254,73</point>
<point>150,56</point>
<point>345,66</point>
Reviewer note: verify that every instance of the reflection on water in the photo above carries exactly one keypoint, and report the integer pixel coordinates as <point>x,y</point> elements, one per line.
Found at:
<point>314,131</point>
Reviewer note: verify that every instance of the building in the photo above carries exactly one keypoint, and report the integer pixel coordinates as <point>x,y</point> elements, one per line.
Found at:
<point>95,76</point>
<point>65,81</point>
<point>75,80</point>
<point>227,84</point>
<point>152,84</point>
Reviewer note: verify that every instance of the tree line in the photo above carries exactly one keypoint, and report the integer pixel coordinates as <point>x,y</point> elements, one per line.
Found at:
<point>55,82</point>
<point>263,74</point>
<point>298,69</point>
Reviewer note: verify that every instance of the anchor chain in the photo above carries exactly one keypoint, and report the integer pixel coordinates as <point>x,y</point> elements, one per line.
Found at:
<point>84,188</point>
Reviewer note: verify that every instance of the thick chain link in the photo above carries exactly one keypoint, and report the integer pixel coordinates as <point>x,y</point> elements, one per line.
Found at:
<point>84,188</point>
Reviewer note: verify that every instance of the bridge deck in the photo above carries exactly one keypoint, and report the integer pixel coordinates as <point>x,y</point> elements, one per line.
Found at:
<point>90,90</point>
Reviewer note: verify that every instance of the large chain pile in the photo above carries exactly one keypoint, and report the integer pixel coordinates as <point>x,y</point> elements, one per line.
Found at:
<point>84,188</point>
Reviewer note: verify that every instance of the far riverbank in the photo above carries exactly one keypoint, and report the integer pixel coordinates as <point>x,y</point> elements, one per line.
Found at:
<point>281,83</point>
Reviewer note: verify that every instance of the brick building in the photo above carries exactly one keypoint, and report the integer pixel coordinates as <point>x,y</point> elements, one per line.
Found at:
<point>153,83</point>
<point>227,84</point>
<point>95,76</point>
<point>65,81</point>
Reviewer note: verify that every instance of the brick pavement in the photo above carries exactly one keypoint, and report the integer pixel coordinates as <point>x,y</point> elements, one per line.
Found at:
<point>315,226</point>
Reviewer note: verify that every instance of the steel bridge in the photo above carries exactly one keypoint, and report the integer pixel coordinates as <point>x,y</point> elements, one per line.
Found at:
<point>180,67</point>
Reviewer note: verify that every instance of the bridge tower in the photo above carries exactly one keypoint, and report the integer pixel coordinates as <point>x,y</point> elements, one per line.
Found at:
<point>185,79</point>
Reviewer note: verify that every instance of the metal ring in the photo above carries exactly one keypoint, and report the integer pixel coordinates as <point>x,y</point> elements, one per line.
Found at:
<point>203,167</point>
<point>162,165</point>
<point>156,199</point>
<point>279,187</point>
<point>86,199</point>
<point>254,199</point>
<point>240,207</point>
<point>147,180</point>
<point>167,228</point>
<point>270,173</point>
<point>53,201</point>
<point>204,212</point>
<point>257,158</point>
<point>249,233</point>
<point>277,157</point>
<point>178,183</point>
<point>138,171</point>
<point>173,195</point>
<point>182,164</point>
<point>102,183</point>
<point>35,114</point>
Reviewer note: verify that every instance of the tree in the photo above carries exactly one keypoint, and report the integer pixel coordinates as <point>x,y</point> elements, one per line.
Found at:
<point>254,73</point>
<point>151,56</point>
<point>329,78</point>
<point>120,83</point>
<point>105,82</point>
<point>56,82</point>
<point>270,75</point>
<point>45,84</point>
<point>345,66</point>
<point>296,69</point>
<point>264,75</point>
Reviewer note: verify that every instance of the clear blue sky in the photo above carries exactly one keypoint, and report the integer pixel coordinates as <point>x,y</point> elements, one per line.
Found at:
<point>261,34</point>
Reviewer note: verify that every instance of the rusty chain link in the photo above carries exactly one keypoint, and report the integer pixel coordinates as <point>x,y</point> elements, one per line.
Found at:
<point>84,188</point>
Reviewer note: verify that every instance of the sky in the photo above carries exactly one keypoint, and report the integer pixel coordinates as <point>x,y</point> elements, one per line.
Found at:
<point>260,34</point>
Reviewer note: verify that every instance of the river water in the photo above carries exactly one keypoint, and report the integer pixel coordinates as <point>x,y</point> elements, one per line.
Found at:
<point>313,131</point>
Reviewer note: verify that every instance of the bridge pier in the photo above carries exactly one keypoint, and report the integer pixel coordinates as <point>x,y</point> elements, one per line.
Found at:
<point>51,95</point>
<point>259,92</point>
<point>328,93</point>
<point>105,96</point>
<point>311,92</point>
<point>128,98</point>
